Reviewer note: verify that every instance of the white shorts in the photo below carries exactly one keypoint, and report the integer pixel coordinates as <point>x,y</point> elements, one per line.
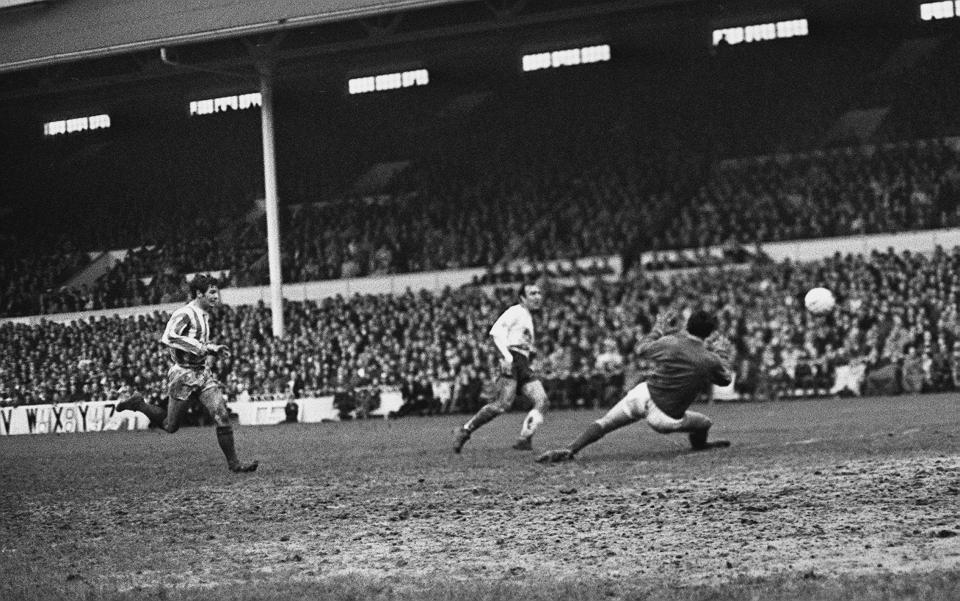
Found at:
<point>638,405</point>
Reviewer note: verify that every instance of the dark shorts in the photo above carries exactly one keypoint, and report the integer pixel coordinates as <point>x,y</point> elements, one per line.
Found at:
<point>521,369</point>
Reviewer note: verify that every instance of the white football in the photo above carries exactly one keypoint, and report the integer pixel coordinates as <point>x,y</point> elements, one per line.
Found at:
<point>819,300</point>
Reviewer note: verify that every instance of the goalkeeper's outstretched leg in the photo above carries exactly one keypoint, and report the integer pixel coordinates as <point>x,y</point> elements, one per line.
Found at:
<point>684,367</point>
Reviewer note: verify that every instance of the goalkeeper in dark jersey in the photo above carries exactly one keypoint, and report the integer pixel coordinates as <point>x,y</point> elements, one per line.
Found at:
<point>684,367</point>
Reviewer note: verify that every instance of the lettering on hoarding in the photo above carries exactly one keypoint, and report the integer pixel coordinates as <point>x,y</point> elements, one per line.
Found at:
<point>31,420</point>
<point>7,416</point>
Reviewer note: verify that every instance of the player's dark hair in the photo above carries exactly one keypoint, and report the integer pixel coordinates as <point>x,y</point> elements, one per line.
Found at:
<point>701,324</point>
<point>201,283</point>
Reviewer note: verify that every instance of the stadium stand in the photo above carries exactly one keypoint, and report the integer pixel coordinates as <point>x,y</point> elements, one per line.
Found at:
<point>436,221</point>
<point>504,176</point>
<point>524,181</point>
<point>896,324</point>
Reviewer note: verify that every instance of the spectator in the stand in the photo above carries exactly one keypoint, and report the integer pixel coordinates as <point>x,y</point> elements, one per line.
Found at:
<point>6,397</point>
<point>466,390</point>
<point>940,376</point>
<point>409,394</point>
<point>896,339</point>
<point>290,411</point>
<point>609,364</point>
<point>912,373</point>
<point>955,366</point>
<point>747,375</point>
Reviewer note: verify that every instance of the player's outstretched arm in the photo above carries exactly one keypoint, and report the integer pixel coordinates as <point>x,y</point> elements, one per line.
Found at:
<point>218,349</point>
<point>723,348</point>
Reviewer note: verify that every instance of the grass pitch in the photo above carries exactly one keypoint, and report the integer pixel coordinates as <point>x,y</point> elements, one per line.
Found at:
<point>829,499</point>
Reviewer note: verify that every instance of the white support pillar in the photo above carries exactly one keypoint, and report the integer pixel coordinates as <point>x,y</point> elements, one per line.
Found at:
<point>272,202</point>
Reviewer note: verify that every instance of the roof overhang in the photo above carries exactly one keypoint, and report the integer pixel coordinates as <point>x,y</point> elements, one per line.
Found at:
<point>41,34</point>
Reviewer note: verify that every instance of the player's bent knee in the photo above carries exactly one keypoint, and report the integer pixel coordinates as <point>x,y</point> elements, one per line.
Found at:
<point>696,421</point>
<point>214,402</point>
<point>221,418</point>
<point>618,416</point>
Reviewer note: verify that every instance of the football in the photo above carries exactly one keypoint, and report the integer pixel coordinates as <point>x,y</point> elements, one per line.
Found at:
<point>819,300</point>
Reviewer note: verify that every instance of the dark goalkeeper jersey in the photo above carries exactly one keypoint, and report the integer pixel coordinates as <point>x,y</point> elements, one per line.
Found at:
<point>683,368</point>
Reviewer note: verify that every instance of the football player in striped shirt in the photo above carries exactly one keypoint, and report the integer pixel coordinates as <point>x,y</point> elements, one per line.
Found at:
<point>187,336</point>
<point>512,334</point>
<point>685,366</point>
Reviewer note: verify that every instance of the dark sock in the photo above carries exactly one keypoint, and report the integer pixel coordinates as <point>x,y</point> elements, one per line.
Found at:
<point>593,433</point>
<point>154,413</point>
<point>698,438</point>
<point>225,439</point>
<point>486,413</point>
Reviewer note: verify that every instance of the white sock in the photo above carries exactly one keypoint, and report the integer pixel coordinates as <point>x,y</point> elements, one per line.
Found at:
<point>531,423</point>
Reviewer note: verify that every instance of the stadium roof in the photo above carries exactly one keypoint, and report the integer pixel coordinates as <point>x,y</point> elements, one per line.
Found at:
<point>45,33</point>
<point>64,46</point>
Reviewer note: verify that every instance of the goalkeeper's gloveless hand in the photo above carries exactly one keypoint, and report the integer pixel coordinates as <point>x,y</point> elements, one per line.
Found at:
<point>721,345</point>
<point>668,321</point>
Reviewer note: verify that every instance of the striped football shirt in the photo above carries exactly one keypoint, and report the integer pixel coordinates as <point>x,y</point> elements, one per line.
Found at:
<point>187,334</point>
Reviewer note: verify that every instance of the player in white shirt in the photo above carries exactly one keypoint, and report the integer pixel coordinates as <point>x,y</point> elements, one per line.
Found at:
<point>512,334</point>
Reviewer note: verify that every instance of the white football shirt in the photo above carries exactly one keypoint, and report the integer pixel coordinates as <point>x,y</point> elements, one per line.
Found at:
<point>515,328</point>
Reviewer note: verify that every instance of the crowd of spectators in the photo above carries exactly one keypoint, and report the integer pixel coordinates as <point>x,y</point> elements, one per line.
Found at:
<point>443,223</point>
<point>169,185</point>
<point>611,162</point>
<point>896,322</point>
<point>24,278</point>
<point>154,275</point>
<point>564,270</point>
